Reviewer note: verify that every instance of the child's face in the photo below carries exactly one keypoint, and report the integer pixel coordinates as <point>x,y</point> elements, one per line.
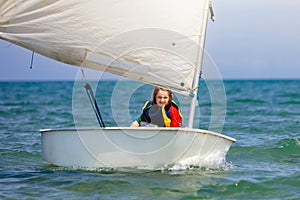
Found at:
<point>162,98</point>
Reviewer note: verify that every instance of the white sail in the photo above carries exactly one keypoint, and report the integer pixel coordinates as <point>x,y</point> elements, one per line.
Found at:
<point>156,42</point>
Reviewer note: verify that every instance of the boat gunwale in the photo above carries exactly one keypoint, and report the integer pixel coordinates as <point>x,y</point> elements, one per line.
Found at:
<point>142,128</point>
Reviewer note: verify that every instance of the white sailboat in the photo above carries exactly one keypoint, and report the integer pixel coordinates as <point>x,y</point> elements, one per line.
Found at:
<point>156,42</point>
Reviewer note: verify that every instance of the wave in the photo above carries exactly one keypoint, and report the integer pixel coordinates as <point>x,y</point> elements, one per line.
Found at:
<point>296,102</point>
<point>274,188</point>
<point>283,151</point>
<point>248,100</point>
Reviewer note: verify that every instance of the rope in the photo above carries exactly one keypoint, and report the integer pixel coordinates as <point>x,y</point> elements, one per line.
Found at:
<point>93,101</point>
<point>31,62</point>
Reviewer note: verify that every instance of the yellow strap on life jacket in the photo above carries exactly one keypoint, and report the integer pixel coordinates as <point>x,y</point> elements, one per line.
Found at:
<point>145,105</point>
<point>178,111</point>
<point>167,120</point>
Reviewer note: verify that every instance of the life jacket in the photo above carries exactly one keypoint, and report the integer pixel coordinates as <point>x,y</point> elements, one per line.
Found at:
<point>159,114</point>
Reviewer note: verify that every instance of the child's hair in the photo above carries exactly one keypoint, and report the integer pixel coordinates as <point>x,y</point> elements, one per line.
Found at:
<point>156,90</point>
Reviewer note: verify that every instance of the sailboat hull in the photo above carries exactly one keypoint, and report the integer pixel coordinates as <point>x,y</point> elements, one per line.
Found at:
<point>149,147</point>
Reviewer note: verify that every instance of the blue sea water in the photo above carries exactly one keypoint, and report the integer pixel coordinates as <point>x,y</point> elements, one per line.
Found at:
<point>264,163</point>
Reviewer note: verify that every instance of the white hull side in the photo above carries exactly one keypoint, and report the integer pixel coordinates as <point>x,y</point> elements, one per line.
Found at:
<point>115,147</point>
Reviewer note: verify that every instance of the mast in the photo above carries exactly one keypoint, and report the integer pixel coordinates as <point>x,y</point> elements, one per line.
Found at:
<point>199,63</point>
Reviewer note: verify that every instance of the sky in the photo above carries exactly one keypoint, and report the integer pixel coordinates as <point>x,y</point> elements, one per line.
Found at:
<point>250,39</point>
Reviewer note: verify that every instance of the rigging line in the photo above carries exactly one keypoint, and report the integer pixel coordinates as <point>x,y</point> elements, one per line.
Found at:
<point>211,10</point>
<point>83,75</point>
<point>93,101</point>
<point>9,45</point>
<point>31,62</point>
<point>94,104</point>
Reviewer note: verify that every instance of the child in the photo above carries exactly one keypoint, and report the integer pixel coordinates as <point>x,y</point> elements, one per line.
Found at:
<point>162,111</point>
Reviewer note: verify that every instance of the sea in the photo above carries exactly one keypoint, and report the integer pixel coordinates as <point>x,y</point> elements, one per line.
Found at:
<point>262,115</point>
